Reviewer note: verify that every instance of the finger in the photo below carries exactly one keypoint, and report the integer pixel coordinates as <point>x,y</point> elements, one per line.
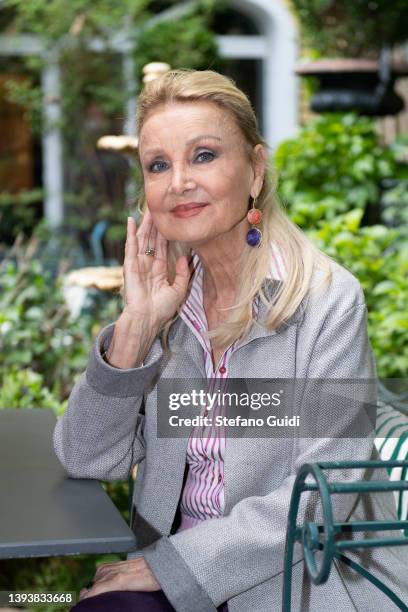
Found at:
<point>105,572</point>
<point>151,240</point>
<point>144,231</point>
<point>103,568</point>
<point>82,593</point>
<point>131,245</point>
<point>146,218</point>
<point>104,586</point>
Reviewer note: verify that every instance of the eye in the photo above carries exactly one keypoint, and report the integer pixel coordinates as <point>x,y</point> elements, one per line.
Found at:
<point>210,153</point>
<point>152,165</point>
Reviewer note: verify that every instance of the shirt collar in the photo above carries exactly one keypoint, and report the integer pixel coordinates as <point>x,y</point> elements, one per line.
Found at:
<point>193,305</point>
<point>192,310</point>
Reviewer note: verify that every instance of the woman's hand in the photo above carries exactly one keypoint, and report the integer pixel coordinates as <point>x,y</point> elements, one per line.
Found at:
<point>131,575</point>
<point>150,300</point>
<point>148,294</point>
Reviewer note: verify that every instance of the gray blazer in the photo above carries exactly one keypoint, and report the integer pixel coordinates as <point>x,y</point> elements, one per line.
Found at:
<point>110,425</point>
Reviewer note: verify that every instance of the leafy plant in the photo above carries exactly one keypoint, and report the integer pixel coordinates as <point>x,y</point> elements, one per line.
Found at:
<point>351,28</point>
<point>18,213</point>
<point>394,199</point>
<point>27,94</point>
<point>380,262</point>
<point>38,331</point>
<point>395,204</point>
<point>26,389</point>
<point>335,164</point>
<point>332,178</point>
<point>187,43</point>
<point>77,18</point>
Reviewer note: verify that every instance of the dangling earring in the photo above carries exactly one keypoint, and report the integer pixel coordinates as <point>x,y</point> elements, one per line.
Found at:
<point>254,235</point>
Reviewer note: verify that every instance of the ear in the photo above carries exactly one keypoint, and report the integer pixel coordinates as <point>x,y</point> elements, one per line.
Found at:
<point>259,169</point>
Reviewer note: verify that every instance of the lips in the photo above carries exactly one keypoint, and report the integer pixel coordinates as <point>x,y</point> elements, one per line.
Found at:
<point>189,210</point>
<point>189,206</point>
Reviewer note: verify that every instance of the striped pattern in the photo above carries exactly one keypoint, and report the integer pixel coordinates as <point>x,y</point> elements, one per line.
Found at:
<point>392,444</point>
<point>203,493</point>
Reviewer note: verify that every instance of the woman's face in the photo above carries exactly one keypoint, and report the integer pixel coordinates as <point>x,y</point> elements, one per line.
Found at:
<point>193,154</point>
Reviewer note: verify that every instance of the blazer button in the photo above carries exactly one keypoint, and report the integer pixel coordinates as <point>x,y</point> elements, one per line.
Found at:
<point>222,370</point>
<point>219,477</point>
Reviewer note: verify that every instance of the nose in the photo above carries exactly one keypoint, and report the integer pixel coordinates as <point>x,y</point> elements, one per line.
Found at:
<point>180,179</point>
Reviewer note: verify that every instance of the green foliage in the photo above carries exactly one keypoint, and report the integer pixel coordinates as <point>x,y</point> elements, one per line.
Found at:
<point>395,195</point>
<point>351,28</point>
<point>29,96</point>
<point>92,92</point>
<point>17,213</point>
<point>380,262</point>
<point>26,389</point>
<point>334,164</point>
<point>38,332</point>
<point>186,43</point>
<point>57,18</point>
<point>400,149</point>
<point>332,178</point>
<point>51,574</point>
<point>395,204</point>
<point>119,492</point>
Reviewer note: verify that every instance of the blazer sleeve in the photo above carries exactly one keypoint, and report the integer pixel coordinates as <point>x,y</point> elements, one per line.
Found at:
<point>100,435</point>
<point>224,557</point>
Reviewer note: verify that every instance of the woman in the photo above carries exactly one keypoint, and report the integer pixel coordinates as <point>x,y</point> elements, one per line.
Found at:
<point>213,292</point>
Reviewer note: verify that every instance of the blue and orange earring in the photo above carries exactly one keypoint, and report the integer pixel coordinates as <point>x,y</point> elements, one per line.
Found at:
<point>254,235</point>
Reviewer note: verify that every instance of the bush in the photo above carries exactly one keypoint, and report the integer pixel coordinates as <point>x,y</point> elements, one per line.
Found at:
<point>18,213</point>
<point>26,389</point>
<point>333,179</point>
<point>37,331</point>
<point>395,205</point>
<point>370,253</point>
<point>185,43</point>
<point>335,164</point>
<point>351,28</point>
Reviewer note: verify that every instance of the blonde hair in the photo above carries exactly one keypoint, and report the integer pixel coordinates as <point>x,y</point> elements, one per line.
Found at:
<point>299,254</point>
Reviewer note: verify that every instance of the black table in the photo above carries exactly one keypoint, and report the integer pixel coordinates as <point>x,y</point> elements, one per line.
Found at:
<point>42,511</point>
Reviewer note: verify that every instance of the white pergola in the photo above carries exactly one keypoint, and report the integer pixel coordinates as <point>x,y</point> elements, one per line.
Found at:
<point>276,46</point>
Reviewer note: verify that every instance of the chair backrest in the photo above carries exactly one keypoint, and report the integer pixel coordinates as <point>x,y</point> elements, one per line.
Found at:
<point>392,444</point>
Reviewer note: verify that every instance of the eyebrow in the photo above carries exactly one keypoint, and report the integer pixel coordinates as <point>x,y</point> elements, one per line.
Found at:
<point>191,141</point>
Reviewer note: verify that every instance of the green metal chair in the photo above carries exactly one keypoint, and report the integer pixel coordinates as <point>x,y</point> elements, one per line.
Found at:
<point>310,534</point>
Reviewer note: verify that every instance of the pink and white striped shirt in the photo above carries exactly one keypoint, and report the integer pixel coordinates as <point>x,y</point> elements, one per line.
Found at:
<point>202,497</point>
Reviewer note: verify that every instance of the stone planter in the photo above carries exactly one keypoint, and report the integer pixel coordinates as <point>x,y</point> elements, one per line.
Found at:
<point>361,85</point>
